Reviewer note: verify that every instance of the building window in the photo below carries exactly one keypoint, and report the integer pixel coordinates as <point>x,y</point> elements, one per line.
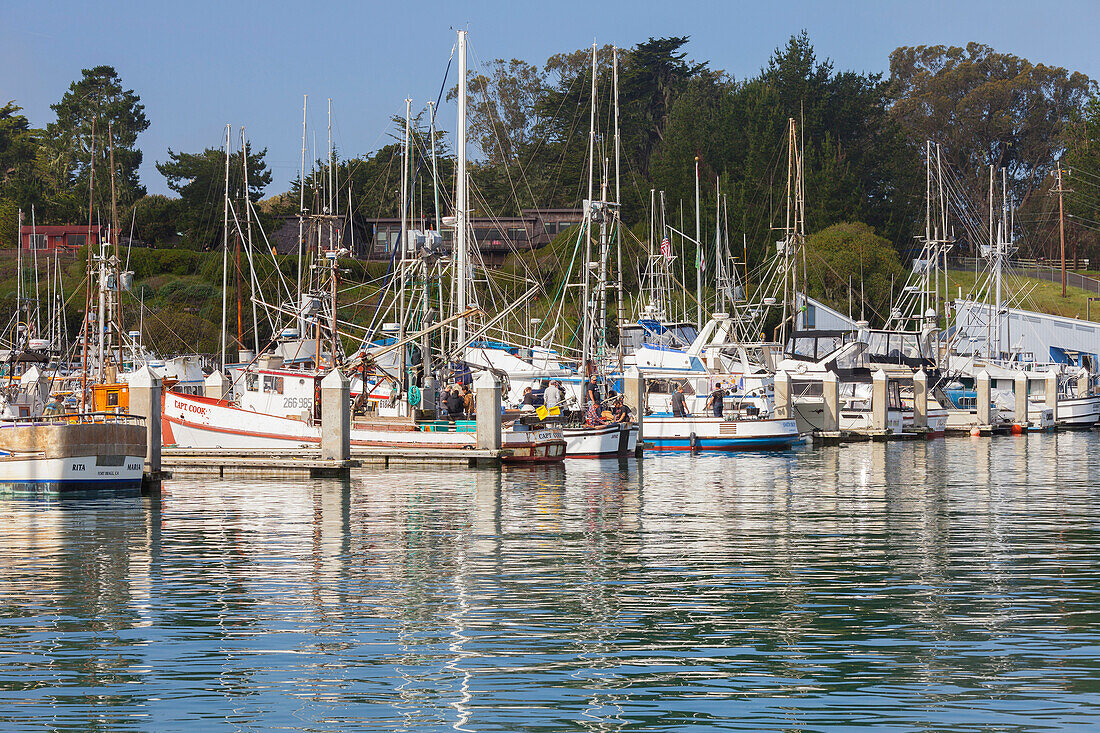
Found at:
<point>76,240</point>
<point>36,241</point>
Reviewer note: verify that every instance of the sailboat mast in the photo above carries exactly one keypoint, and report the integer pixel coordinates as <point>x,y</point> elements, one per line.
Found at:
<point>403,238</point>
<point>115,295</point>
<point>248,219</point>
<point>699,256</point>
<point>460,192</point>
<point>586,302</point>
<point>618,220</point>
<point>302,202</point>
<point>225,244</point>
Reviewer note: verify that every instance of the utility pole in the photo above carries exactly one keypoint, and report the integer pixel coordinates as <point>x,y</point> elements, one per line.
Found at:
<point>1061,227</point>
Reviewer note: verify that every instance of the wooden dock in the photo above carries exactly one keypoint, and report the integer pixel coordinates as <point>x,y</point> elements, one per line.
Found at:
<point>308,462</point>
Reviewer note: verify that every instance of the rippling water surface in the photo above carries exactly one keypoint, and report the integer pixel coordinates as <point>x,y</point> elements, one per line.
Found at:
<point>948,585</point>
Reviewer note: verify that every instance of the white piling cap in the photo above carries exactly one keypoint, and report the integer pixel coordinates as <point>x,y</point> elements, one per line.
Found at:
<point>144,377</point>
<point>485,380</point>
<point>335,380</point>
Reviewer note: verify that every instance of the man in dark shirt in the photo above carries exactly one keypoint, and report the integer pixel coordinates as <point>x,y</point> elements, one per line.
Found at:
<point>621,413</point>
<point>679,406</point>
<point>455,406</point>
<point>717,398</point>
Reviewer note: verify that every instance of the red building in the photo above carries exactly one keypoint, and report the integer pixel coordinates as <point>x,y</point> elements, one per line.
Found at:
<point>65,238</point>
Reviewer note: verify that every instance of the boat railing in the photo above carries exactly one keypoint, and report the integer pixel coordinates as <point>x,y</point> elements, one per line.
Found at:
<point>103,418</point>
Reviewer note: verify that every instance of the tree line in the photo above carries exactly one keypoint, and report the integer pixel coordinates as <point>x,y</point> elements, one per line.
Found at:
<point>863,136</point>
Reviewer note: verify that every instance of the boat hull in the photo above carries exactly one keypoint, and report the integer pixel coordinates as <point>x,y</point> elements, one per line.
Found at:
<point>62,456</point>
<point>717,434</point>
<point>603,441</point>
<point>30,474</point>
<point>200,422</point>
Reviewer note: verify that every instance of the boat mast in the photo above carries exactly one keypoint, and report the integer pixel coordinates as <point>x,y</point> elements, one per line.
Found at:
<point>460,193</point>
<point>586,234</point>
<point>302,203</point>
<point>248,219</point>
<point>225,244</point>
<point>699,256</point>
<point>618,220</point>
<point>403,240</point>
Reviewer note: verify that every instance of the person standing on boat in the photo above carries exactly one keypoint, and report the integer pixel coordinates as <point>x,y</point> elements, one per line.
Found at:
<point>54,407</point>
<point>552,396</point>
<point>528,398</point>
<point>717,399</point>
<point>468,402</point>
<point>592,412</point>
<point>679,404</point>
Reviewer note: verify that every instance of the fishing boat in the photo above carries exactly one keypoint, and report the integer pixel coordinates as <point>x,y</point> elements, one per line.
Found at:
<point>273,400</point>
<point>698,433</point>
<point>44,450</point>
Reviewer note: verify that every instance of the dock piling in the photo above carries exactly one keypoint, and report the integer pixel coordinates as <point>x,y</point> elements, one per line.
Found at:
<point>335,417</point>
<point>145,400</point>
<point>634,391</point>
<point>830,392</point>
<point>983,404</point>
<point>1020,387</point>
<point>1051,383</point>
<point>782,395</point>
<point>920,399</point>
<point>487,397</point>
<point>880,400</point>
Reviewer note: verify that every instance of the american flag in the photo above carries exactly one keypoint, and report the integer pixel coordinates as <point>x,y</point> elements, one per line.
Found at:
<point>666,249</point>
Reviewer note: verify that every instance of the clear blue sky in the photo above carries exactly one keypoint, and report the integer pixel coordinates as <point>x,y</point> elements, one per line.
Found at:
<point>198,64</point>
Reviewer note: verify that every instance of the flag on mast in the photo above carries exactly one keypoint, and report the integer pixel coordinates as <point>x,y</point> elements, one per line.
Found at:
<point>666,249</point>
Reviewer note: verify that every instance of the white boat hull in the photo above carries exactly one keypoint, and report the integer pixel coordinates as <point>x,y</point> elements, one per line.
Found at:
<point>200,422</point>
<point>33,474</point>
<point>718,434</point>
<point>603,441</point>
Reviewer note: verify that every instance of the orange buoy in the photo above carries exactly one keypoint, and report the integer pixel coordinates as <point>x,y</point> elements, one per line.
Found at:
<point>975,432</point>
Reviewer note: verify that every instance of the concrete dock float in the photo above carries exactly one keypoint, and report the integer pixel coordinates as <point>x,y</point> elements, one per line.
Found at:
<point>308,461</point>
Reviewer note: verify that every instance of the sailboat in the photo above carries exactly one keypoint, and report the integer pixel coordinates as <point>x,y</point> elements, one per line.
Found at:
<point>275,404</point>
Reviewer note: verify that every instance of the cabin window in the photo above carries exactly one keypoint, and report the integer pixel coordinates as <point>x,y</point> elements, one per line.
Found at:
<point>250,383</point>
<point>273,384</point>
<point>112,399</point>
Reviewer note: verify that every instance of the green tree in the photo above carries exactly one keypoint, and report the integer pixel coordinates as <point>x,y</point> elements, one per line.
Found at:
<point>986,108</point>
<point>654,73</point>
<point>857,163</point>
<point>18,151</point>
<point>1081,179</point>
<point>154,218</point>
<point>504,108</point>
<point>847,260</point>
<point>96,114</point>
<point>199,179</point>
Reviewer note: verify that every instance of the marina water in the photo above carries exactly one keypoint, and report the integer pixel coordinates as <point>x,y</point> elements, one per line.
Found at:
<point>951,585</point>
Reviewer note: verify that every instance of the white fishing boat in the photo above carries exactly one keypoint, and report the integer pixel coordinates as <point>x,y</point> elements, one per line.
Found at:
<point>601,441</point>
<point>280,409</point>
<point>59,452</point>
<point>698,433</point>
<point>90,452</point>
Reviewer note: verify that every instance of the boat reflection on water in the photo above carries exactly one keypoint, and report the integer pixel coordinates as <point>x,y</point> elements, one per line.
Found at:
<point>750,587</point>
